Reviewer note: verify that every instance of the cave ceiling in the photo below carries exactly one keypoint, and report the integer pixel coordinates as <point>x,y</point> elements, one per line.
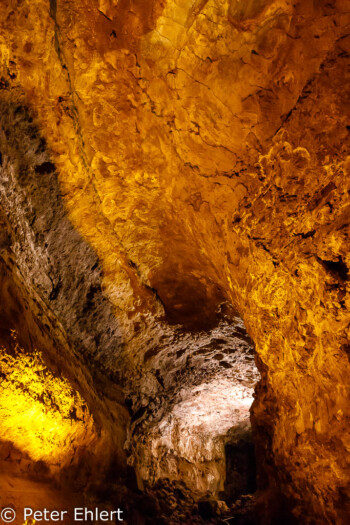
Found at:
<point>174,186</point>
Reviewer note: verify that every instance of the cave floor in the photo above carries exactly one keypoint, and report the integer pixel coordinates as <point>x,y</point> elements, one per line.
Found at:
<point>172,503</point>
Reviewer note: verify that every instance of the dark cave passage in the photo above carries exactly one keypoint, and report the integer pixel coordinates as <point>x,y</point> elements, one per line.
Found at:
<point>196,440</point>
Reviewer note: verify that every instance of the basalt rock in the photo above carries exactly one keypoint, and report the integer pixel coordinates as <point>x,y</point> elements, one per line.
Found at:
<point>174,191</point>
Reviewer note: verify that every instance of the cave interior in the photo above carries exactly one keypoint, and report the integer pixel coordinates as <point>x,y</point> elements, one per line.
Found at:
<point>174,260</point>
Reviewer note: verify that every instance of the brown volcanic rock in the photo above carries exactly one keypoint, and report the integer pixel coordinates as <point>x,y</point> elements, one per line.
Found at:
<point>305,183</point>
<point>180,372</point>
<point>202,152</point>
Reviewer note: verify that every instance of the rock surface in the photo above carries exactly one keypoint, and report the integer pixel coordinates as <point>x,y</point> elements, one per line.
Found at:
<point>202,151</point>
<point>189,386</point>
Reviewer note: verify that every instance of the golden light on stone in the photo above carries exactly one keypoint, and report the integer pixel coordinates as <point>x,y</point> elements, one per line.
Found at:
<point>39,413</point>
<point>200,151</point>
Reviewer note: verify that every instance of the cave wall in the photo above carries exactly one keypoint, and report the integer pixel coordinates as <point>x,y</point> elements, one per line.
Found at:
<point>62,424</point>
<point>57,267</point>
<point>305,349</point>
<point>206,395</point>
<point>202,151</point>
<point>57,271</point>
<point>62,428</point>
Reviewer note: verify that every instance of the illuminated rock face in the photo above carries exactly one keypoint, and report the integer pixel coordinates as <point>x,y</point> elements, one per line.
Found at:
<point>207,383</point>
<point>54,409</point>
<point>31,394</point>
<point>52,415</point>
<point>204,381</point>
<point>202,152</point>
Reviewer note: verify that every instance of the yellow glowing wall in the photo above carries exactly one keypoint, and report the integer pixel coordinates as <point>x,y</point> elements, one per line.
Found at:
<point>40,413</point>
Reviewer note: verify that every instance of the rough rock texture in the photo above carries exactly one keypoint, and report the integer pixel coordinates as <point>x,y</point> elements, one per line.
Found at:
<point>58,437</point>
<point>203,381</point>
<point>203,152</point>
<point>62,425</point>
<point>206,394</point>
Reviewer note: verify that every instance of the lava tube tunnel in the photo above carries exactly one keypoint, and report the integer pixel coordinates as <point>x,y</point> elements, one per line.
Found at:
<point>174,262</point>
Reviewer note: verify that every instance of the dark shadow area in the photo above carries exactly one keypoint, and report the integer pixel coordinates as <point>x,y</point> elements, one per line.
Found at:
<point>240,470</point>
<point>51,254</point>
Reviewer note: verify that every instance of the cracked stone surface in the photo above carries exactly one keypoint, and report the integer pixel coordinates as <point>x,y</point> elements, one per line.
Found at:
<point>200,151</point>
<point>185,378</point>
